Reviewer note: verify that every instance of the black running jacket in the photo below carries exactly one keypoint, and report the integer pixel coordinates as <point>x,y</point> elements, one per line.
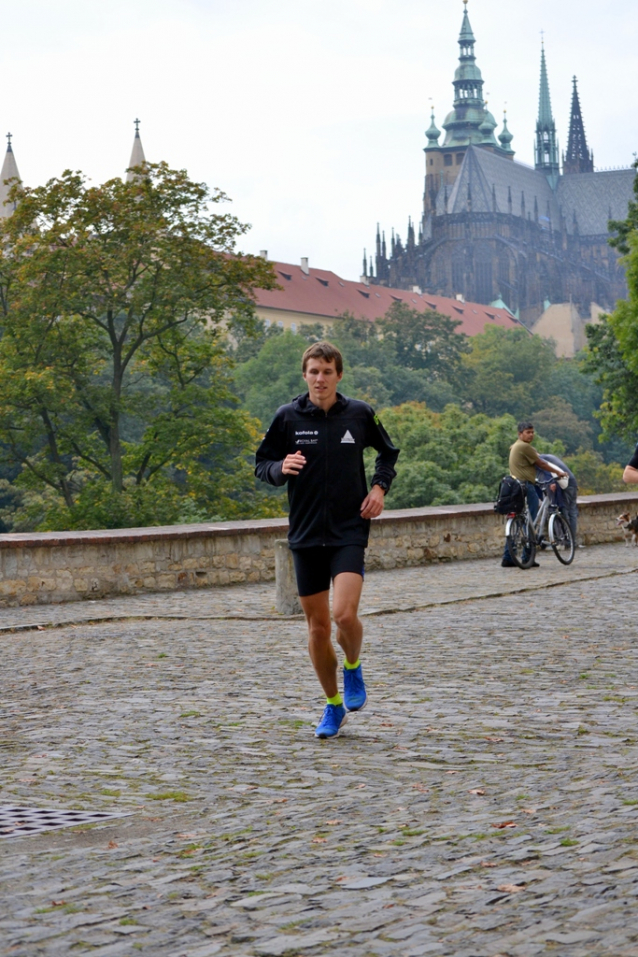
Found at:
<point>326,497</point>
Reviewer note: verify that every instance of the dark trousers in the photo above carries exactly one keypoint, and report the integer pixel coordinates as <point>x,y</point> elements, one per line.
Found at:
<point>534,504</point>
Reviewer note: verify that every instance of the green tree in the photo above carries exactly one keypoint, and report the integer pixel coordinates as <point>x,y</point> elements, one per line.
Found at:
<point>449,457</point>
<point>593,475</point>
<point>426,341</point>
<point>508,371</point>
<point>559,421</point>
<point>612,345</point>
<point>114,383</point>
<point>272,377</point>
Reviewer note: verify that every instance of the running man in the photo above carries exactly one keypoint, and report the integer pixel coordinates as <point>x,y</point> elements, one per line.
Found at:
<point>316,444</point>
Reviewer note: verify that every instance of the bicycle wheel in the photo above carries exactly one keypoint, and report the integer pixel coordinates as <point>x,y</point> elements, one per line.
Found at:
<point>562,539</point>
<point>521,543</point>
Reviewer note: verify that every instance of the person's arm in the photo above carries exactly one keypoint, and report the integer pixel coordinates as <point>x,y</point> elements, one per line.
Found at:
<point>378,438</point>
<point>549,467</point>
<point>271,455</point>
<point>384,471</point>
<point>630,475</point>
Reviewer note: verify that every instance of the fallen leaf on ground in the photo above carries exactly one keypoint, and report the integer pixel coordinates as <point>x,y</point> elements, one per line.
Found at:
<point>451,772</point>
<point>488,864</point>
<point>495,740</point>
<point>528,810</point>
<point>505,824</point>
<point>335,820</point>
<point>58,903</point>
<point>318,840</point>
<point>112,844</point>
<point>477,791</point>
<point>511,888</point>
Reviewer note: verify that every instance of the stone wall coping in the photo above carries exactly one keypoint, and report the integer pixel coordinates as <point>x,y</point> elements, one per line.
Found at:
<point>266,526</point>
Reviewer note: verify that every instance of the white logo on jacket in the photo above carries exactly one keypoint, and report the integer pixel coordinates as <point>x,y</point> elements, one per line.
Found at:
<point>347,438</point>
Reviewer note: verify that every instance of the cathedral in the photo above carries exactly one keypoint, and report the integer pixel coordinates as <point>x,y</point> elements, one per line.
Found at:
<point>495,230</point>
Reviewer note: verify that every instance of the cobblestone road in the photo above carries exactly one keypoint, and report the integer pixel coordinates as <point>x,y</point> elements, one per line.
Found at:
<point>486,802</point>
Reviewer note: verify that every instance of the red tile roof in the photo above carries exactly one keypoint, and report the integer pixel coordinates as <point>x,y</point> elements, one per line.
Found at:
<point>322,294</point>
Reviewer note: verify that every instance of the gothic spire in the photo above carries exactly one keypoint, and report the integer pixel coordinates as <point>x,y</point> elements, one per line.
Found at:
<point>546,158</point>
<point>137,154</point>
<point>9,171</point>
<point>578,159</point>
<point>463,125</point>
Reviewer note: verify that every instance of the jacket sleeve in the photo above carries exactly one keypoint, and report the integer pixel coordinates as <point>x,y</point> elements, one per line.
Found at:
<point>379,439</point>
<point>272,452</point>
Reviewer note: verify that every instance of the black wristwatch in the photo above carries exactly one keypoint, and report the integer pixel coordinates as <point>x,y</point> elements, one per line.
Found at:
<point>385,488</point>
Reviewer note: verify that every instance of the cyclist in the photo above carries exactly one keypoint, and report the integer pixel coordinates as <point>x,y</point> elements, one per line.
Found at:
<point>524,460</point>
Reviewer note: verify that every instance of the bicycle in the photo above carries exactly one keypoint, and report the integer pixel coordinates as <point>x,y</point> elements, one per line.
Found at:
<point>524,535</point>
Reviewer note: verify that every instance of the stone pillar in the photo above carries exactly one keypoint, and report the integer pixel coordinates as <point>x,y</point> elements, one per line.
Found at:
<point>287,599</point>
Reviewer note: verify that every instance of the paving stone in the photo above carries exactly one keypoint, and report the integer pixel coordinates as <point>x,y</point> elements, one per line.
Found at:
<point>248,836</point>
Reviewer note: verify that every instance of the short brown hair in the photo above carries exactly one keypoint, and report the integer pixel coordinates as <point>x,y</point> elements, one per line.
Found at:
<point>323,350</point>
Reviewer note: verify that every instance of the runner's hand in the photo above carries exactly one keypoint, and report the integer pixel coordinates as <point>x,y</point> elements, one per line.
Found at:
<point>373,503</point>
<point>293,464</point>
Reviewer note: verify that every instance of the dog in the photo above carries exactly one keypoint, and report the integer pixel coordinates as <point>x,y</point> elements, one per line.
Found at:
<point>629,526</point>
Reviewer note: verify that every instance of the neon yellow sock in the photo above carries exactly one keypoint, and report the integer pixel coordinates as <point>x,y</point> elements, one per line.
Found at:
<point>346,664</point>
<point>336,700</point>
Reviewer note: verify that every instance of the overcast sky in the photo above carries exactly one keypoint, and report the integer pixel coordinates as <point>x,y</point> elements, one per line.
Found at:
<point>310,114</point>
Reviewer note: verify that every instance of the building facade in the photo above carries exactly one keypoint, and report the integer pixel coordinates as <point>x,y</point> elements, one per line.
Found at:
<point>495,229</point>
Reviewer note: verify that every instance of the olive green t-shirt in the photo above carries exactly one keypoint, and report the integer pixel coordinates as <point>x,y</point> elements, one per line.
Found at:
<point>522,459</point>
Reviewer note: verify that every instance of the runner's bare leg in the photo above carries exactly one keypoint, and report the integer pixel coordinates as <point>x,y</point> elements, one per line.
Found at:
<point>316,608</point>
<point>345,611</point>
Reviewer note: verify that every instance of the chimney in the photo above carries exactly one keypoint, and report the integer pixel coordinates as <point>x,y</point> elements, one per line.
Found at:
<point>304,265</point>
<point>263,253</point>
<point>460,297</point>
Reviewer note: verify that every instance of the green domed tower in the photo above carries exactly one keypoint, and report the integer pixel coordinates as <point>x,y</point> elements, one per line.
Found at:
<point>463,125</point>
<point>470,123</point>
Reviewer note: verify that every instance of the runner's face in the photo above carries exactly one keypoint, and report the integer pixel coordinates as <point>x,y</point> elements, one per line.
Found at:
<point>322,380</point>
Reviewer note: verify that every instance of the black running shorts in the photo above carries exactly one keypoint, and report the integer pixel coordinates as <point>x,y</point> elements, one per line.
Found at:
<point>315,567</point>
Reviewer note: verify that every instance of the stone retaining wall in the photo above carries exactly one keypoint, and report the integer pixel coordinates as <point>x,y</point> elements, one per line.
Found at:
<point>71,566</point>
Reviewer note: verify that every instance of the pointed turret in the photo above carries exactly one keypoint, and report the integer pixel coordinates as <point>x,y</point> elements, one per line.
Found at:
<point>546,152</point>
<point>505,137</point>
<point>432,133</point>
<point>9,171</point>
<point>137,155</point>
<point>411,239</point>
<point>578,159</point>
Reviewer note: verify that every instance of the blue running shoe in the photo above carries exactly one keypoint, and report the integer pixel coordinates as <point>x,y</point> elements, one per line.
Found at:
<point>333,718</point>
<point>354,689</point>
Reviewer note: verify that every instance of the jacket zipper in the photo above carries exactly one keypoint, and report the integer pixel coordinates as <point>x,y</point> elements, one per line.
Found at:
<point>325,484</point>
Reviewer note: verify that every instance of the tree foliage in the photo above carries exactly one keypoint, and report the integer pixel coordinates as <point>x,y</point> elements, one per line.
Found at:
<point>450,457</point>
<point>612,354</point>
<point>115,390</point>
